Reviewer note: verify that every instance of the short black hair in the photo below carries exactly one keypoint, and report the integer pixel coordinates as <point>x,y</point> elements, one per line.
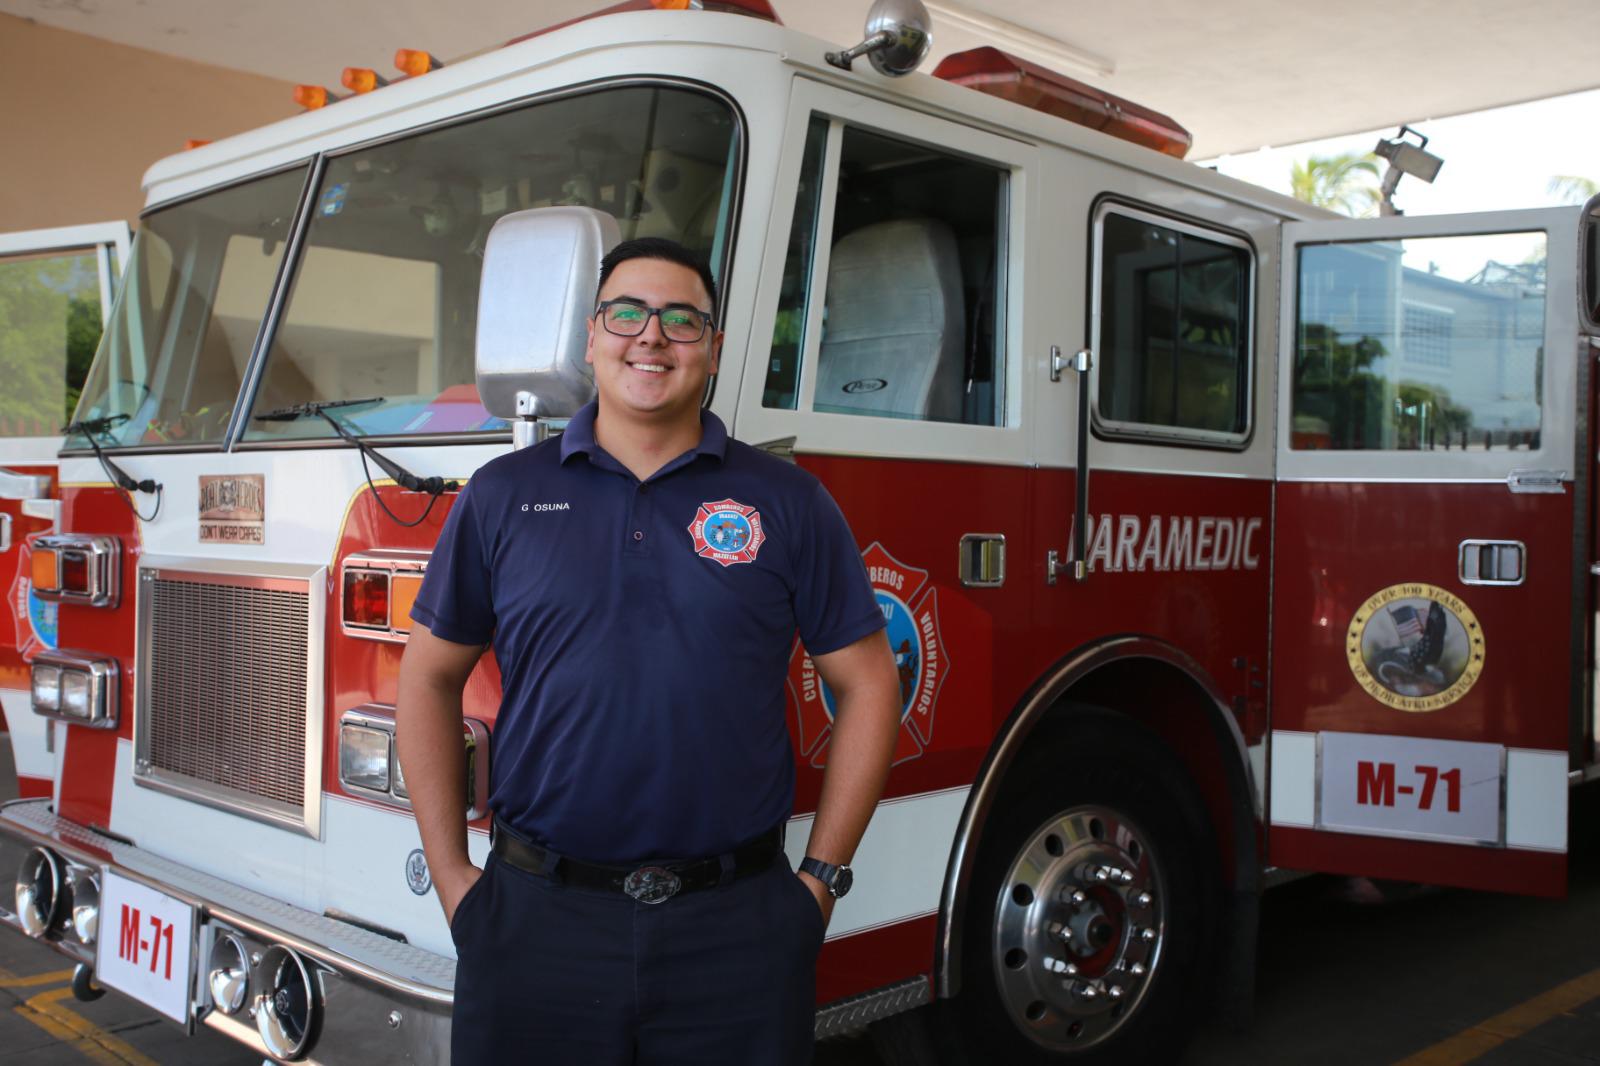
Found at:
<point>659,248</point>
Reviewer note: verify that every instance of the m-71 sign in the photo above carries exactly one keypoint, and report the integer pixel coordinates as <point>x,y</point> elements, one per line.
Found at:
<point>1408,787</point>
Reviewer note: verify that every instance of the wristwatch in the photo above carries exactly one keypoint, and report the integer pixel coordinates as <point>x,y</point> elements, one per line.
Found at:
<point>836,879</point>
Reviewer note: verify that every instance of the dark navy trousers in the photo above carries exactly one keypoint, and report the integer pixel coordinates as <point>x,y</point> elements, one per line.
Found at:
<point>552,975</point>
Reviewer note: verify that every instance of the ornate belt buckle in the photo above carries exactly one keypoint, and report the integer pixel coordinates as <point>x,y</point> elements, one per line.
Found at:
<point>652,884</point>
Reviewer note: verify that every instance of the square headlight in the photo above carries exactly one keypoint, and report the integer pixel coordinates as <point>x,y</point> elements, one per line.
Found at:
<point>46,687</point>
<point>364,757</point>
<point>76,689</point>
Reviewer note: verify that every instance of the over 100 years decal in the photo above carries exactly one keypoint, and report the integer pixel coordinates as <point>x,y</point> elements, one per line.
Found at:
<point>910,606</point>
<point>1415,647</point>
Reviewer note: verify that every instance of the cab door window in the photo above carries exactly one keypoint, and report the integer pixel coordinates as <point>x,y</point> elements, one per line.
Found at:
<point>910,327</point>
<point>1173,329</point>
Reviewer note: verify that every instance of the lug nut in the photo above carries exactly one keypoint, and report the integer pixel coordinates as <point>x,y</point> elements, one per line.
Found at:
<point>1088,991</point>
<point>1115,991</point>
<point>1077,899</point>
<point>1125,876</point>
<point>1147,935</point>
<point>1137,969</point>
<point>1060,966</point>
<point>1144,899</point>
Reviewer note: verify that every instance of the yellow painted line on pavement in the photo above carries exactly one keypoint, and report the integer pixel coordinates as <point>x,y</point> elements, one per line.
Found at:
<point>9,980</point>
<point>1508,1025</point>
<point>47,1012</point>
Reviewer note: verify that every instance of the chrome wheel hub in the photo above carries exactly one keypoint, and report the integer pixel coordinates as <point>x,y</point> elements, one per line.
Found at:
<point>1078,928</point>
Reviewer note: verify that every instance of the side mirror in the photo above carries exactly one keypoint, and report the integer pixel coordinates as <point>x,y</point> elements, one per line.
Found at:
<point>897,41</point>
<point>534,297</point>
<point>1589,267</point>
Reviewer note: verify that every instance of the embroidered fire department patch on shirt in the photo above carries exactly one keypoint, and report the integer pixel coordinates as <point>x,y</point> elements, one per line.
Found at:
<point>727,532</point>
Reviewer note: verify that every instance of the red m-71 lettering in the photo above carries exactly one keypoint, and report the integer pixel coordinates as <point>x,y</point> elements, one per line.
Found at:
<point>1375,785</point>
<point>129,946</point>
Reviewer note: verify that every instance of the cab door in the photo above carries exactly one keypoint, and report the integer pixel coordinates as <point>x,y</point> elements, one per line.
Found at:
<point>1427,648</point>
<point>56,288</point>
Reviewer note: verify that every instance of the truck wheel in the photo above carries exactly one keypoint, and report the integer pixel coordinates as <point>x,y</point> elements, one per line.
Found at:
<point>1091,903</point>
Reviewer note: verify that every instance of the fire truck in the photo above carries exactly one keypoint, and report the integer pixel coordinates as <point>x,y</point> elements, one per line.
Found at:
<point>1218,538</point>
<point>56,288</point>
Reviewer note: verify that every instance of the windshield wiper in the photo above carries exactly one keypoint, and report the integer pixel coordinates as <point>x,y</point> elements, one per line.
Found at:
<point>433,486</point>
<point>90,429</point>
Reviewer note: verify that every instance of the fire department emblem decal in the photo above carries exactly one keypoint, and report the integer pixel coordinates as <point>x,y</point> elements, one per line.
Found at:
<point>35,619</point>
<point>727,532</point>
<point>910,606</point>
<point>1415,647</point>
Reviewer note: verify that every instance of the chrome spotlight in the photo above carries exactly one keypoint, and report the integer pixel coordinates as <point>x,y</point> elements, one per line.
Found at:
<point>228,973</point>
<point>40,885</point>
<point>287,1008</point>
<point>85,904</point>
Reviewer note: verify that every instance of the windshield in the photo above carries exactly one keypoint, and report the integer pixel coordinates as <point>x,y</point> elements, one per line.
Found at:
<point>170,363</point>
<point>384,299</point>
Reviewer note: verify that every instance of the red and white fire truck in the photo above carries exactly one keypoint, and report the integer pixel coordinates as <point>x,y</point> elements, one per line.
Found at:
<point>1216,536</point>
<point>56,288</point>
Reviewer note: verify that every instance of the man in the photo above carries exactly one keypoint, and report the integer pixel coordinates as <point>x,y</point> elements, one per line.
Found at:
<point>642,579</point>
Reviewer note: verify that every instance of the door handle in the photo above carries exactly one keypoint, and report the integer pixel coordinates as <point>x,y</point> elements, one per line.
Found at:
<point>1493,562</point>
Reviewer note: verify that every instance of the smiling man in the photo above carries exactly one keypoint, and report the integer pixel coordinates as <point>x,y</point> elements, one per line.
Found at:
<point>637,905</point>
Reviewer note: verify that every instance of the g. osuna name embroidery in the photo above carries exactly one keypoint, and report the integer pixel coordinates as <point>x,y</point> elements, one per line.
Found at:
<point>562,506</point>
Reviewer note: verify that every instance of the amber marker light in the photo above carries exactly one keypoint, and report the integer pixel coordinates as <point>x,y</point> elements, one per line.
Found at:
<point>413,62</point>
<point>361,80</point>
<point>403,591</point>
<point>312,97</point>
<point>670,5</point>
<point>44,570</point>
<point>194,142</point>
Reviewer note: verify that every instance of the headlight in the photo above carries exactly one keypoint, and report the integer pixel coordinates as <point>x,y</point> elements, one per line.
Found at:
<point>76,687</point>
<point>46,688</point>
<point>364,757</point>
<point>370,767</point>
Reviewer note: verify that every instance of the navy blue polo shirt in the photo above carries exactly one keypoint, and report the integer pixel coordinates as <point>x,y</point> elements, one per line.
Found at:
<point>643,632</point>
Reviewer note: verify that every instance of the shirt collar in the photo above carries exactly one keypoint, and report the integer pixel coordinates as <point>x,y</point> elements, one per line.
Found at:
<point>578,437</point>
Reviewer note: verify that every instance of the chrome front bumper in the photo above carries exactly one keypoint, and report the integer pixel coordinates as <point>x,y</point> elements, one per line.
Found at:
<point>380,1000</point>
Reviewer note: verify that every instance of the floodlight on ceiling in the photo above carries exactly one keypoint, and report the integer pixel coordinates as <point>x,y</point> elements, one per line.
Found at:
<point>1405,158</point>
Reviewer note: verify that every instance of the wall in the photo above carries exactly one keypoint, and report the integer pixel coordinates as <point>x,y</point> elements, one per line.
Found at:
<point>83,118</point>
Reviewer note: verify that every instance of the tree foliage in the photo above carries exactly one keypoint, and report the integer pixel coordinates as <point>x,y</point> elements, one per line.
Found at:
<point>1572,188</point>
<point>49,328</point>
<point>1345,183</point>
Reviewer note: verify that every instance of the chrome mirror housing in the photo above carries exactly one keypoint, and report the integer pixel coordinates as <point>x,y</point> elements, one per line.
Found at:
<point>898,37</point>
<point>540,269</point>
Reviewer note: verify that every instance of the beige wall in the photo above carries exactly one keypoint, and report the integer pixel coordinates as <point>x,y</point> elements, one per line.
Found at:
<point>81,119</point>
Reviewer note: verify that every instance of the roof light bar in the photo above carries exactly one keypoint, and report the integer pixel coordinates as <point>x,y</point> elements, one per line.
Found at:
<point>998,73</point>
<point>760,9</point>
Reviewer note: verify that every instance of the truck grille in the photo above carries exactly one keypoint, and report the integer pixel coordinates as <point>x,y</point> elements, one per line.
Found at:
<point>224,708</point>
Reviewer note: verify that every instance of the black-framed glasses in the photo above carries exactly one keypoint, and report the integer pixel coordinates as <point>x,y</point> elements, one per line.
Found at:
<point>628,318</point>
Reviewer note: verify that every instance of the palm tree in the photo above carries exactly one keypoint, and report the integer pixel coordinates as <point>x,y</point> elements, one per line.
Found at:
<point>1344,183</point>
<point>1573,189</point>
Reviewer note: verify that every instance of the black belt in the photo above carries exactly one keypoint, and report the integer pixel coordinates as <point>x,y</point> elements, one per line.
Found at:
<point>652,883</point>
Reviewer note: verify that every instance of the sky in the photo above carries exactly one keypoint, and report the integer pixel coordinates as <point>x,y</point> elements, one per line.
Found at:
<point>1495,160</point>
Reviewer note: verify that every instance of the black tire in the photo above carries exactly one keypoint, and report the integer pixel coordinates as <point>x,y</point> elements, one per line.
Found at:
<point>1102,833</point>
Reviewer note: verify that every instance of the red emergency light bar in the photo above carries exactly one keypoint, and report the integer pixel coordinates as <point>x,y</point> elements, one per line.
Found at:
<point>760,9</point>
<point>997,73</point>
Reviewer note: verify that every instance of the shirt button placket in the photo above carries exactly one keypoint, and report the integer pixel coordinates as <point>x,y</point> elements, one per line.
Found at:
<point>635,542</point>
